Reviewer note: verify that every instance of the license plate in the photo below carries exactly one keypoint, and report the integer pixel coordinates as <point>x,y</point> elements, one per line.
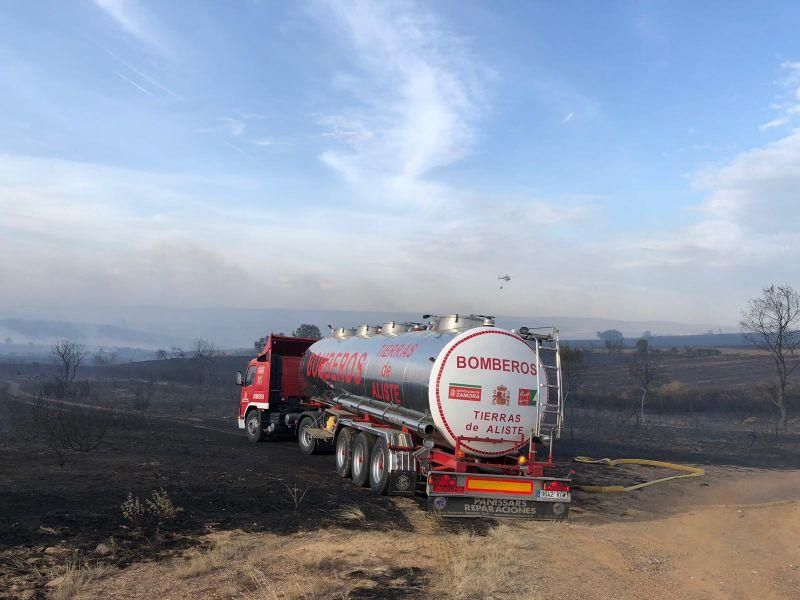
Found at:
<point>548,495</point>
<point>460,506</point>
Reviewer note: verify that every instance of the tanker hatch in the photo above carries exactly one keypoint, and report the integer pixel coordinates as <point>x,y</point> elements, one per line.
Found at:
<point>366,330</point>
<point>341,333</point>
<point>394,328</point>
<point>458,323</point>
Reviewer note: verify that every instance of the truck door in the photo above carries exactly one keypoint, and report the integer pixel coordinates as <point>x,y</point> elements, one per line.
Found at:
<point>261,384</point>
<point>247,388</point>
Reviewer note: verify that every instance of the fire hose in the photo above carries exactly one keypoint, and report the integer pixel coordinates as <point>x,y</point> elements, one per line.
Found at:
<point>613,462</point>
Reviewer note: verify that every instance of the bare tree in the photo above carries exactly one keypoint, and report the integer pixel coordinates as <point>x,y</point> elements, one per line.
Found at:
<point>613,339</point>
<point>143,395</point>
<point>770,323</point>
<point>643,369</point>
<point>69,428</point>
<point>161,354</point>
<point>67,357</point>
<point>103,358</point>
<point>205,355</point>
<point>571,368</point>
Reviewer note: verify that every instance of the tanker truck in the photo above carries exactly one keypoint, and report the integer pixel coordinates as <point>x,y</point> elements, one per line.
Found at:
<point>459,410</point>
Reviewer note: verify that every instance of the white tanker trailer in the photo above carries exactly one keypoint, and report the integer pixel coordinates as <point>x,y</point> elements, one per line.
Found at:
<point>458,406</point>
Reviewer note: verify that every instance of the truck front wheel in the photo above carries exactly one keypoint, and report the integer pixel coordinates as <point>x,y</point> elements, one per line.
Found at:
<point>362,451</point>
<point>379,468</point>
<point>252,426</point>
<point>344,452</point>
<point>308,444</point>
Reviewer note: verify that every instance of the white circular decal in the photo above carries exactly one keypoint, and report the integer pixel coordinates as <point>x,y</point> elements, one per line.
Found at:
<point>484,391</point>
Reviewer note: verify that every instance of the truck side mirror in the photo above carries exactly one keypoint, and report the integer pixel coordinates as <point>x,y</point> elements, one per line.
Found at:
<point>239,380</point>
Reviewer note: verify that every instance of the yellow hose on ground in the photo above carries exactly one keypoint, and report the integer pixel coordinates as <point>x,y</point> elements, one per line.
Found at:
<point>613,462</point>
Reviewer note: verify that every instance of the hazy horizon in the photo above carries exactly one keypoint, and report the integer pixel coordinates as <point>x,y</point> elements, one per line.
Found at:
<point>153,327</point>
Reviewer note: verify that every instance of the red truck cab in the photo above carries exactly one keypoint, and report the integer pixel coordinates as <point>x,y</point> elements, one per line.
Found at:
<point>272,391</point>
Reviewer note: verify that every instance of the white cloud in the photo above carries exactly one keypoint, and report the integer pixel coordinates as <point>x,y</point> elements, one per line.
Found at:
<point>232,126</point>
<point>747,226</point>
<point>413,102</point>
<point>237,126</point>
<point>774,123</point>
<point>415,98</point>
<point>350,131</point>
<point>137,22</point>
<point>787,104</point>
<point>758,189</point>
<point>127,237</point>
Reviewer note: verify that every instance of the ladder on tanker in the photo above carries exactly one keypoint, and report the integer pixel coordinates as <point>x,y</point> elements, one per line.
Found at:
<point>548,381</point>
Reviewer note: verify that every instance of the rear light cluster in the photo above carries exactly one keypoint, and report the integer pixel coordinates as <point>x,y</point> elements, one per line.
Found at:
<point>442,483</point>
<point>555,486</point>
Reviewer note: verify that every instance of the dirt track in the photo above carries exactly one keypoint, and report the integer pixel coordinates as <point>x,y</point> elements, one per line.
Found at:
<point>731,534</point>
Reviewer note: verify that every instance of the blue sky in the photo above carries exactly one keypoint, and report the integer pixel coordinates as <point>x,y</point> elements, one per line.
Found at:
<point>634,160</point>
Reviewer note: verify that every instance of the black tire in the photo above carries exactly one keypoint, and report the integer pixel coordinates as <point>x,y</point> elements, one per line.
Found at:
<point>308,445</point>
<point>379,468</point>
<point>252,426</point>
<point>344,451</point>
<point>362,451</point>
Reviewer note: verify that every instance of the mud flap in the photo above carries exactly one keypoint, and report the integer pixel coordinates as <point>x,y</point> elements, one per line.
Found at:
<point>403,483</point>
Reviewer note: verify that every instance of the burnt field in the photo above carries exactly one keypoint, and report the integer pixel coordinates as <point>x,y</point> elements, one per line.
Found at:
<point>696,368</point>
<point>70,526</point>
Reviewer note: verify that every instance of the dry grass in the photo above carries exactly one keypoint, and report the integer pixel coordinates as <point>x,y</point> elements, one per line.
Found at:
<point>225,552</point>
<point>327,564</point>
<point>669,543</point>
<point>267,588</point>
<point>76,577</point>
<point>249,566</point>
<point>484,566</point>
<point>351,512</point>
<point>335,563</point>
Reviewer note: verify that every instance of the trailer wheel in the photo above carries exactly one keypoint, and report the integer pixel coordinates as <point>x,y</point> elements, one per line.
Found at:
<point>252,426</point>
<point>362,450</point>
<point>344,452</point>
<point>308,445</point>
<point>379,468</point>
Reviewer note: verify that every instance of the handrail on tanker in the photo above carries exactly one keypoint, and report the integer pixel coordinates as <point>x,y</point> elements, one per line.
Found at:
<point>391,414</point>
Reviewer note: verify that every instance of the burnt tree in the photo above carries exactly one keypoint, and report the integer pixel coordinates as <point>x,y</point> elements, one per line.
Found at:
<point>571,368</point>
<point>644,370</point>
<point>67,357</point>
<point>770,323</point>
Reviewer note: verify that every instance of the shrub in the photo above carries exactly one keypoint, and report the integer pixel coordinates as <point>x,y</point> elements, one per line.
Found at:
<point>151,513</point>
<point>673,388</point>
<point>70,428</point>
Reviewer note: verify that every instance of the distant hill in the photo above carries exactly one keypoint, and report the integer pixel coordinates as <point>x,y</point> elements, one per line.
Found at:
<point>707,340</point>
<point>41,331</point>
<point>151,327</point>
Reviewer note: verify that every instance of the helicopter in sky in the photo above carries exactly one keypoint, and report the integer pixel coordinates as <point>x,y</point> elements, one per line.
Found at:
<point>503,279</point>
